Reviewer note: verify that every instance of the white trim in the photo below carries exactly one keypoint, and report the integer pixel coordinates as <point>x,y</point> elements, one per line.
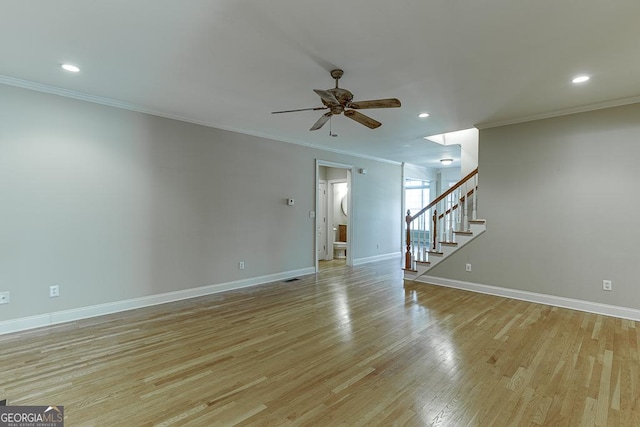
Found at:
<point>351,214</point>
<point>39,87</point>
<point>377,258</point>
<point>324,198</point>
<point>403,208</point>
<point>24,323</point>
<point>564,112</point>
<point>333,164</point>
<point>556,301</point>
<point>316,204</point>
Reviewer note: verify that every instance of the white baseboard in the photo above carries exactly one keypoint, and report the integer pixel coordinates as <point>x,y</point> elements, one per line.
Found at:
<point>383,257</point>
<point>556,301</point>
<point>24,323</point>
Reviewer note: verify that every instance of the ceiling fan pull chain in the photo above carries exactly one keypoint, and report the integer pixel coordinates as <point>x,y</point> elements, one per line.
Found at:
<point>330,132</point>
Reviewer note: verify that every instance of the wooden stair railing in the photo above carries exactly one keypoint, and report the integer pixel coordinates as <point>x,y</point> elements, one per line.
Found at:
<point>445,215</point>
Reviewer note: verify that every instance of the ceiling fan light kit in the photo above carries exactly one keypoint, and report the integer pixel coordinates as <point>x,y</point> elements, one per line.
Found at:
<point>340,101</point>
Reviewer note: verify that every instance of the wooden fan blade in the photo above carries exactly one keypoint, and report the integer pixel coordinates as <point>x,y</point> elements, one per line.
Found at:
<point>300,109</point>
<point>362,119</point>
<point>376,103</point>
<point>321,121</point>
<point>327,96</point>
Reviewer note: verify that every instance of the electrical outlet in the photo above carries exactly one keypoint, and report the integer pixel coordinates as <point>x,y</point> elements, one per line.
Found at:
<point>54,291</point>
<point>607,285</point>
<point>241,265</point>
<point>467,267</point>
<point>4,297</point>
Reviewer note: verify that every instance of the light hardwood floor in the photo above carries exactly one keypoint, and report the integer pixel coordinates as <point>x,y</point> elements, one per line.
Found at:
<point>349,346</point>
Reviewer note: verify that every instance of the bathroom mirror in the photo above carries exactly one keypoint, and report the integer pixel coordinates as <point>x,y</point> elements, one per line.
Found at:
<point>343,205</point>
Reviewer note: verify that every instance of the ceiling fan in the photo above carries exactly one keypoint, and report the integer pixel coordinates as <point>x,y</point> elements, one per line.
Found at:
<point>338,101</point>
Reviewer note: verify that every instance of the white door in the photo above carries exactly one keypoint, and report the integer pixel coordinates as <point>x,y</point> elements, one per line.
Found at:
<point>322,221</point>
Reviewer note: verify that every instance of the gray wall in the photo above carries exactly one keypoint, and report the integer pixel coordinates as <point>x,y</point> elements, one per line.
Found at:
<point>113,205</point>
<point>560,199</point>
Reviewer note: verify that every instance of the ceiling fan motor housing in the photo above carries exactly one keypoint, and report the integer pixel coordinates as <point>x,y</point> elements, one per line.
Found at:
<point>343,96</point>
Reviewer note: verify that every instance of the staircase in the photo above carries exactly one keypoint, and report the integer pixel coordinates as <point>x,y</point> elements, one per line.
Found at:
<point>442,227</point>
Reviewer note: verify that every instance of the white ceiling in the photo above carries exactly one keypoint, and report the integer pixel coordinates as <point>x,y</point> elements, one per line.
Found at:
<point>229,63</point>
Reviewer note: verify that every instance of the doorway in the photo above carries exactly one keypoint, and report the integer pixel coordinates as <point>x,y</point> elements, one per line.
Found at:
<point>334,235</point>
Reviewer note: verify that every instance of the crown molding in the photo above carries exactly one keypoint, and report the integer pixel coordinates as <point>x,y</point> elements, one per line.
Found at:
<point>39,87</point>
<point>564,112</point>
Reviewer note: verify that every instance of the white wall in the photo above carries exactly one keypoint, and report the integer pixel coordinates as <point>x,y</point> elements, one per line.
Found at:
<point>560,199</point>
<point>114,205</point>
<point>447,177</point>
<point>468,151</point>
<point>419,172</point>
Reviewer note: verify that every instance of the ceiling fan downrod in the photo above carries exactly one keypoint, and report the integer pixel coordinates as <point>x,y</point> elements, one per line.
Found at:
<point>336,74</point>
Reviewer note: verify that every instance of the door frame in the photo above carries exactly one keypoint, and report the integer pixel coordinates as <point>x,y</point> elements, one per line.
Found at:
<point>319,215</point>
<point>350,208</point>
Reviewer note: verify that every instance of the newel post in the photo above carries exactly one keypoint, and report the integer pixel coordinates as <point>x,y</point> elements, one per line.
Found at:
<point>408,258</point>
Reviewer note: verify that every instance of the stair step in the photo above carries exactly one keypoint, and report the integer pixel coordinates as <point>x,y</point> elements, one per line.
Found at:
<point>435,253</point>
<point>463,233</point>
<point>410,270</point>
<point>477,221</point>
<point>423,262</point>
<point>449,243</point>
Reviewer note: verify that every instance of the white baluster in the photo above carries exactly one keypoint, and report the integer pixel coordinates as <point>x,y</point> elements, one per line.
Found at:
<point>443,226</point>
<point>452,218</point>
<point>450,236</point>
<point>474,213</point>
<point>425,247</point>
<point>445,229</point>
<point>420,238</point>
<point>416,225</point>
<point>454,212</point>
<point>425,240</point>
<point>465,220</point>
<point>414,255</point>
<point>443,221</point>
<point>458,211</point>
<point>417,237</point>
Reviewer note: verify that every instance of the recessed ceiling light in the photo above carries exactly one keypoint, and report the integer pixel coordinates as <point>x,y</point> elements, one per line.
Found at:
<point>580,79</point>
<point>70,67</point>
<point>423,115</point>
<point>407,145</point>
<point>446,162</point>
